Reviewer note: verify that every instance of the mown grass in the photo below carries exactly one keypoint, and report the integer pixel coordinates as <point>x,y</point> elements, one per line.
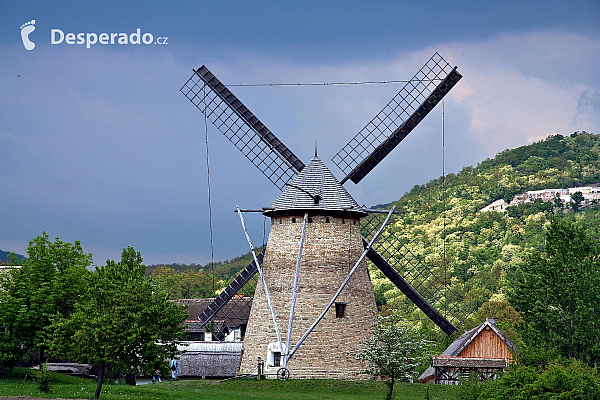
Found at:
<point>73,387</point>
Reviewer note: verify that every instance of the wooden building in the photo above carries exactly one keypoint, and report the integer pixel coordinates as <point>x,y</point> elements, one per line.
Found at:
<point>210,359</point>
<point>229,324</point>
<point>215,351</point>
<point>485,350</point>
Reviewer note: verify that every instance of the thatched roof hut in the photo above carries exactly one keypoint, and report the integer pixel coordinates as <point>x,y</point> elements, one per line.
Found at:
<point>210,359</point>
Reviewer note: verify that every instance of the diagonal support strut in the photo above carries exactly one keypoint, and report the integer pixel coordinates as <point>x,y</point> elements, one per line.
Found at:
<point>262,277</point>
<point>295,288</point>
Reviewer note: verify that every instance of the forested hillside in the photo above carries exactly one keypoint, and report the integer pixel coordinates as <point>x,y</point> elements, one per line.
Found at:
<point>5,257</point>
<point>191,281</point>
<point>476,252</point>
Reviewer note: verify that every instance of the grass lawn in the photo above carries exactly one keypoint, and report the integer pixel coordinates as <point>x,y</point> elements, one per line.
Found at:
<point>73,387</point>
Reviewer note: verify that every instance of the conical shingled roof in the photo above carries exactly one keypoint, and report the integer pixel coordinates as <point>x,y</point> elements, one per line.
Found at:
<point>315,181</point>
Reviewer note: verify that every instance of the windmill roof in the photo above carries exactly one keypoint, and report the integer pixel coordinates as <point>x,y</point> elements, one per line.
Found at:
<point>463,341</point>
<point>315,188</point>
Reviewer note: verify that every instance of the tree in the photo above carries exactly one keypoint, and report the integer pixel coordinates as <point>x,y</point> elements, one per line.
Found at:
<point>576,200</point>
<point>507,318</point>
<point>558,204</point>
<point>121,321</point>
<point>49,282</point>
<point>558,293</point>
<point>394,351</point>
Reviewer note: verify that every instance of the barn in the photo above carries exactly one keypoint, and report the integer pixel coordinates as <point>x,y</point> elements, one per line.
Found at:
<point>484,350</point>
<point>229,324</point>
<point>213,351</point>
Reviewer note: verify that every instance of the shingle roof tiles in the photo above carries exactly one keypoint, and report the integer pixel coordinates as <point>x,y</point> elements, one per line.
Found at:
<point>315,180</point>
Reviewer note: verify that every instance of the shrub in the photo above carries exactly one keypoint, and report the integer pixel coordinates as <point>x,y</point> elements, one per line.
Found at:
<point>561,379</point>
<point>44,376</point>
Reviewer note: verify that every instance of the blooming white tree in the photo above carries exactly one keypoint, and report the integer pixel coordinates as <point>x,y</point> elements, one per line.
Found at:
<point>394,352</point>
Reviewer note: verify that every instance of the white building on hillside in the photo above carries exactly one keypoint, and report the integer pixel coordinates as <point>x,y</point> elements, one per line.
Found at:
<point>498,205</point>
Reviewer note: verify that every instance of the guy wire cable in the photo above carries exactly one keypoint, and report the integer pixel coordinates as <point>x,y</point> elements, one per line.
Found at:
<point>329,83</point>
<point>444,207</point>
<point>212,252</point>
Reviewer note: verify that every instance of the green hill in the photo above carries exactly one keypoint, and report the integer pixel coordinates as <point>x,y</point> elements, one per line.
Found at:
<point>5,256</point>
<point>481,248</point>
<point>224,270</point>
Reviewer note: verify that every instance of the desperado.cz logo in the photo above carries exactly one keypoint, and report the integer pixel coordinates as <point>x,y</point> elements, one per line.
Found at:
<point>57,36</point>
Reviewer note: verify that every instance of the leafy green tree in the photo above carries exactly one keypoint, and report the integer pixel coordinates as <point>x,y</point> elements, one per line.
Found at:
<point>507,318</point>
<point>558,293</point>
<point>557,204</point>
<point>395,351</point>
<point>121,322</point>
<point>49,282</point>
<point>576,200</point>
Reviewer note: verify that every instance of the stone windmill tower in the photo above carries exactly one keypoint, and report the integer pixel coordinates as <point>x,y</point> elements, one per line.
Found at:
<point>313,273</point>
<point>332,244</point>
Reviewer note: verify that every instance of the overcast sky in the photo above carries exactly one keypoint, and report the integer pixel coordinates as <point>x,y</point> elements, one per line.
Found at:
<point>98,145</point>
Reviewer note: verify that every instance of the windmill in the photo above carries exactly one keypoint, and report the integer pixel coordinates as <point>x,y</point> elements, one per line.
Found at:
<point>320,236</point>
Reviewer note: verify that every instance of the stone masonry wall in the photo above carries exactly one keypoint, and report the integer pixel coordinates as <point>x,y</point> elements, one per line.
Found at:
<point>330,251</point>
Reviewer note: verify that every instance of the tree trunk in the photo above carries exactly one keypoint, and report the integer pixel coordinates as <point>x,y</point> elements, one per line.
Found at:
<point>42,360</point>
<point>391,392</point>
<point>100,380</point>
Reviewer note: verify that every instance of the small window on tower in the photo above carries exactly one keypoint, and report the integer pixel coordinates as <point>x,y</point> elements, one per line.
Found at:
<point>293,220</point>
<point>309,220</point>
<point>340,310</point>
<point>277,359</point>
<point>327,219</point>
<point>274,355</point>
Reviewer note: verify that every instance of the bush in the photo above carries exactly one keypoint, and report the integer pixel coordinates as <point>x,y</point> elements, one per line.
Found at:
<point>561,379</point>
<point>44,376</point>
<point>470,388</point>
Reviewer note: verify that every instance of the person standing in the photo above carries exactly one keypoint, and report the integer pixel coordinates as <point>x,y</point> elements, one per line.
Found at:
<point>174,371</point>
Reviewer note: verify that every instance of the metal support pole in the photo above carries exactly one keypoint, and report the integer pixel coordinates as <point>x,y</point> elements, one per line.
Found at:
<point>261,368</point>
<point>262,277</point>
<point>294,292</point>
<point>312,327</point>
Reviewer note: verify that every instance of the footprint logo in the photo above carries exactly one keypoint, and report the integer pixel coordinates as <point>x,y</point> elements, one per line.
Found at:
<point>26,29</point>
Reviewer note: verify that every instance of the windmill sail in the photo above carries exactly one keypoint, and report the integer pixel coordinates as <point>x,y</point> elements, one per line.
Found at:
<point>416,280</point>
<point>245,277</point>
<point>397,119</point>
<point>241,127</point>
